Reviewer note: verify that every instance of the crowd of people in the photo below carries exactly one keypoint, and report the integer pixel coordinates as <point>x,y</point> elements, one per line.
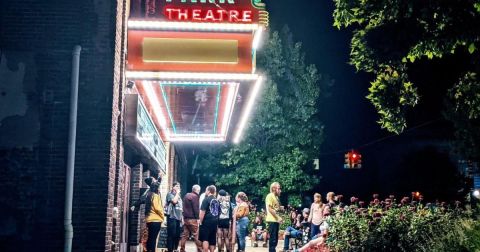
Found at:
<point>214,221</point>
<point>208,218</point>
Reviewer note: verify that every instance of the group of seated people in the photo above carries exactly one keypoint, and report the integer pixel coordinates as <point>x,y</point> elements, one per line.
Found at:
<point>299,231</point>
<point>308,230</point>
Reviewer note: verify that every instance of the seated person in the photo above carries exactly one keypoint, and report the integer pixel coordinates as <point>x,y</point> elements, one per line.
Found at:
<point>318,241</point>
<point>297,230</point>
<point>259,232</point>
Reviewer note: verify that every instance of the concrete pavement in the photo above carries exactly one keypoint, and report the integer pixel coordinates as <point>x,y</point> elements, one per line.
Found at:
<point>190,246</point>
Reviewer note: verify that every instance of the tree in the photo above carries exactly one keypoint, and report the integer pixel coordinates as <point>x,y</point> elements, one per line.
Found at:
<point>285,132</point>
<point>390,35</point>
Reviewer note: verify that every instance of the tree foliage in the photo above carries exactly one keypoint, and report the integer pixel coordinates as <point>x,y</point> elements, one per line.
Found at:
<point>463,109</point>
<point>389,35</point>
<point>285,132</point>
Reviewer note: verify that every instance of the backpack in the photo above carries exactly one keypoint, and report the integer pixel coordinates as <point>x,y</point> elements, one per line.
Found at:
<point>225,209</point>
<point>214,207</point>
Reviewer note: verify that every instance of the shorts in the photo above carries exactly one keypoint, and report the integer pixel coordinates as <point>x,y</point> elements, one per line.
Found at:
<point>208,232</point>
<point>224,223</point>
<point>259,236</point>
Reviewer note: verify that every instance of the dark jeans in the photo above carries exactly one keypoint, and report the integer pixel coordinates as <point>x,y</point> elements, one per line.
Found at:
<point>173,231</point>
<point>314,230</point>
<point>294,233</point>
<point>273,232</point>
<point>153,230</point>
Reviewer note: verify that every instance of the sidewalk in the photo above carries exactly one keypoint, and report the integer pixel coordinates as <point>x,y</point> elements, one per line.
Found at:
<point>190,246</point>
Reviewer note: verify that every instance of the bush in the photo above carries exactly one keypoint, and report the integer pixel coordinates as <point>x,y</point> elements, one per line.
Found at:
<point>403,228</point>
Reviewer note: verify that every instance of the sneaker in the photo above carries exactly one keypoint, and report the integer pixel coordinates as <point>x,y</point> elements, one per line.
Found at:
<point>255,244</point>
<point>265,245</point>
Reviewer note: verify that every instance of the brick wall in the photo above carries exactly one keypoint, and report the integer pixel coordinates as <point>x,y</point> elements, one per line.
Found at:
<point>41,35</point>
<point>138,215</point>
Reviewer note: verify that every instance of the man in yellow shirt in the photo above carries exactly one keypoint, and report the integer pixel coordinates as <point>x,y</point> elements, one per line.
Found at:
<point>272,205</point>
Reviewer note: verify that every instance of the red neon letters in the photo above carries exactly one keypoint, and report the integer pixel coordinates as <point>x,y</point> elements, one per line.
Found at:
<point>202,15</point>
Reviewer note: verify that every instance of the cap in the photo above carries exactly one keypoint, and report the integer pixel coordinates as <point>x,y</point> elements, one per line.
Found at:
<point>222,192</point>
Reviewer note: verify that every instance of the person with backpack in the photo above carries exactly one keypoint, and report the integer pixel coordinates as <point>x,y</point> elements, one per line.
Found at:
<point>209,211</point>
<point>241,217</point>
<point>224,221</point>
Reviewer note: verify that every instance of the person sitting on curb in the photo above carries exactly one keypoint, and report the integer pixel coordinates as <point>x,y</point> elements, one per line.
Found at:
<point>259,232</point>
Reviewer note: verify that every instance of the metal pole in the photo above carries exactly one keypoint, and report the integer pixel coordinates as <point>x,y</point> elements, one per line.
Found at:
<point>72,132</point>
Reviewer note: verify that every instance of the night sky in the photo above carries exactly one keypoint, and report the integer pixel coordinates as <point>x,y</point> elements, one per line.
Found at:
<point>350,119</point>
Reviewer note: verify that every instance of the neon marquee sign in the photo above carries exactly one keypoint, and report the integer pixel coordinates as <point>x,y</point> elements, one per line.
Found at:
<point>201,11</point>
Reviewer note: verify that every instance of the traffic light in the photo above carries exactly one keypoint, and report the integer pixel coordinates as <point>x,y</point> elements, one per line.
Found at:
<point>357,160</point>
<point>353,160</point>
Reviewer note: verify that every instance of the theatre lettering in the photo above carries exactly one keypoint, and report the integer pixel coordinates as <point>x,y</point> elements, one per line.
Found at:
<point>231,16</point>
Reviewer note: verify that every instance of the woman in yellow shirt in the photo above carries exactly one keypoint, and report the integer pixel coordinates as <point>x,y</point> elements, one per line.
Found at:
<point>241,216</point>
<point>153,216</point>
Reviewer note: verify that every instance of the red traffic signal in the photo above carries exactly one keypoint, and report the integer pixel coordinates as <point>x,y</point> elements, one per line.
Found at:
<point>353,160</point>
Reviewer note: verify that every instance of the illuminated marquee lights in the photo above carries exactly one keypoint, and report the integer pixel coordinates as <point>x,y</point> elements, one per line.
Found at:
<point>247,110</point>
<point>153,99</point>
<point>197,138</point>
<point>190,26</point>
<point>189,76</point>
<point>182,137</point>
<point>257,38</point>
<point>228,16</point>
<point>227,114</point>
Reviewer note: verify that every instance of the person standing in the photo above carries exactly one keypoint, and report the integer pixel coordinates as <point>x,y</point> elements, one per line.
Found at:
<point>241,217</point>
<point>224,221</point>
<point>272,205</point>
<point>191,217</point>
<point>330,206</point>
<point>209,211</point>
<point>154,216</point>
<point>175,217</point>
<point>316,215</point>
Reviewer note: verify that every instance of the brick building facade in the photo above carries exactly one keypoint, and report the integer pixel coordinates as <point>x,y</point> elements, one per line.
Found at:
<point>36,42</point>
